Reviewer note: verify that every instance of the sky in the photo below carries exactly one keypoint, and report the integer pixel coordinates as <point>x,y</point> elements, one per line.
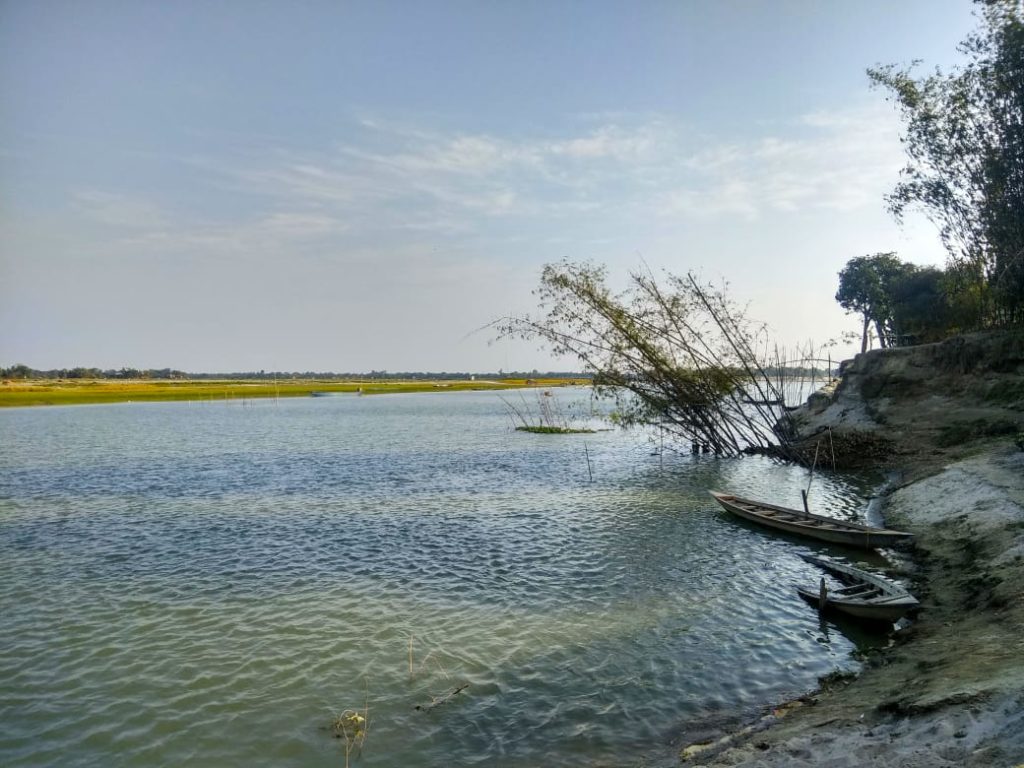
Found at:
<point>239,185</point>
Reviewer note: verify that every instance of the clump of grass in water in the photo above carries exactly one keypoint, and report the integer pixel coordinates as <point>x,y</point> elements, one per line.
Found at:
<point>352,726</point>
<point>540,429</point>
<point>547,419</point>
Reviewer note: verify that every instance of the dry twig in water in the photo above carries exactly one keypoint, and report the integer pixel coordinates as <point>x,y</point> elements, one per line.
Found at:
<point>436,701</point>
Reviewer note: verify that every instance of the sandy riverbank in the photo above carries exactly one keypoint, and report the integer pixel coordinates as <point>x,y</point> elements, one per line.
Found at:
<point>949,690</point>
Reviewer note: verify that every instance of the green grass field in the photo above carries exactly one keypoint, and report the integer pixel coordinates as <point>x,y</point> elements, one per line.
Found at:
<point>81,391</point>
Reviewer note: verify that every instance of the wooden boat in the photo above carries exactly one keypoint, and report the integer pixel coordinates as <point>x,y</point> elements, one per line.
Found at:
<point>863,596</point>
<point>815,526</point>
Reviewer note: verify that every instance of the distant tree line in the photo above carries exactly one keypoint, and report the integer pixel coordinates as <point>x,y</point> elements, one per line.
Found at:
<point>21,371</point>
<point>964,139</point>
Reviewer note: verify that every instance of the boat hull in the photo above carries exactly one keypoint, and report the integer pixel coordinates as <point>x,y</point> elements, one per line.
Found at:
<point>887,602</point>
<point>888,612</point>
<point>811,526</point>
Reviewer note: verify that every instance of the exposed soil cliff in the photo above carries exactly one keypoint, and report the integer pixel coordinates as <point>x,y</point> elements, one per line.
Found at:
<point>916,408</point>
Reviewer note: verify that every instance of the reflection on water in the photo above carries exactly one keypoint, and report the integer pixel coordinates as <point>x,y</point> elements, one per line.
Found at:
<point>211,583</point>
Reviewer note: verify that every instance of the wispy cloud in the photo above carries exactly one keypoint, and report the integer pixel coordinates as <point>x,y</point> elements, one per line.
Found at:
<point>828,161</point>
<point>387,178</point>
<point>820,161</point>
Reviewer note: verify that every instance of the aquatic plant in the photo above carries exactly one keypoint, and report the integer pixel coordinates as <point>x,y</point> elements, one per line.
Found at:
<point>352,726</point>
<point>546,418</point>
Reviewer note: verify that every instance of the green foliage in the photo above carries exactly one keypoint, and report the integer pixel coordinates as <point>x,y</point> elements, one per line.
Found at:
<point>967,295</point>
<point>921,310</point>
<point>545,417</point>
<point>965,147</point>
<point>672,352</point>
<point>867,285</point>
<point>541,429</point>
<point>19,371</point>
<point>909,304</point>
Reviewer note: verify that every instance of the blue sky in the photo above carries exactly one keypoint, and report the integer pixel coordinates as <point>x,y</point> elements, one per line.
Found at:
<point>360,185</point>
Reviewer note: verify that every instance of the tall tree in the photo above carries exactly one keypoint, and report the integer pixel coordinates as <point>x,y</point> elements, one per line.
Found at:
<point>964,141</point>
<point>866,286</point>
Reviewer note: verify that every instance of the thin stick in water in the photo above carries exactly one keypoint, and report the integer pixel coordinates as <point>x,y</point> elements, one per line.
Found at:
<point>817,445</point>
<point>805,493</point>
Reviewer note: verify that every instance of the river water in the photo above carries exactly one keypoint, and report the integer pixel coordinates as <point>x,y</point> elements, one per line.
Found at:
<point>211,583</point>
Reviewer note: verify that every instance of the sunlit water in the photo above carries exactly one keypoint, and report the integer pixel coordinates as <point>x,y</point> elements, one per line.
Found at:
<point>209,584</point>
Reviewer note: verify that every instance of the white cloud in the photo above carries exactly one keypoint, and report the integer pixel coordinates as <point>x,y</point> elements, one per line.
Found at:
<point>839,161</point>
<point>640,143</point>
<point>388,178</point>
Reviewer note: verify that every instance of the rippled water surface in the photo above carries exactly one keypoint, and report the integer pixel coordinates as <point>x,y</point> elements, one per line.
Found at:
<point>208,584</point>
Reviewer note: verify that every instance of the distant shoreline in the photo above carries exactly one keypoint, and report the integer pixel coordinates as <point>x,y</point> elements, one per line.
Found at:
<point>42,392</point>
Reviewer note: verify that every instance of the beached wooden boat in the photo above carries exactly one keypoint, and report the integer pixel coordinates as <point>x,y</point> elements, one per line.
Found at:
<point>863,595</point>
<point>815,526</point>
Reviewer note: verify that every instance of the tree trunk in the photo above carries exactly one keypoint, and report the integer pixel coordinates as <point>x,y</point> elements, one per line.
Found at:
<point>881,334</point>
<point>864,336</point>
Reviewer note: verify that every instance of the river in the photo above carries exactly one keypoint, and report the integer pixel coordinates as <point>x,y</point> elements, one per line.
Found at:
<point>212,583</point>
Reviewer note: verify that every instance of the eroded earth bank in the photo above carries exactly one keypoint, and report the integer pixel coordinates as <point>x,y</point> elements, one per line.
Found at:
<point>947,421</point>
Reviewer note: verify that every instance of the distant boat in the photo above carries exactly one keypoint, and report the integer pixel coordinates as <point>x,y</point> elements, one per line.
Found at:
<point>321,394</point>
<point>864,595</point>
<point>814,526</point>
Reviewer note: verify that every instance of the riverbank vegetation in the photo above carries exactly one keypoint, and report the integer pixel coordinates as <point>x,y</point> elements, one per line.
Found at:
<point>547,417</point>
<point>82,391</point>
<point>671,352</point>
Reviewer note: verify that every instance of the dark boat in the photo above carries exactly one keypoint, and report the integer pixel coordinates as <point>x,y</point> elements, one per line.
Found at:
<point>815,526</point>
<point>863,595</point>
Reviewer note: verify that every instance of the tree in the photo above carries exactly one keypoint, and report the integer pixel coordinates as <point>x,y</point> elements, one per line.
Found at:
<point>965,146</point>
<point>673,353</point>
<point>19,371</point>
<point>921,311</point>
<point>968,294</point>
<point>866,286</point>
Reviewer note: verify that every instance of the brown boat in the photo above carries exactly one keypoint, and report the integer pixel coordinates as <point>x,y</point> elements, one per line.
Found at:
<point>814,526</point>
<point>864,595</point>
